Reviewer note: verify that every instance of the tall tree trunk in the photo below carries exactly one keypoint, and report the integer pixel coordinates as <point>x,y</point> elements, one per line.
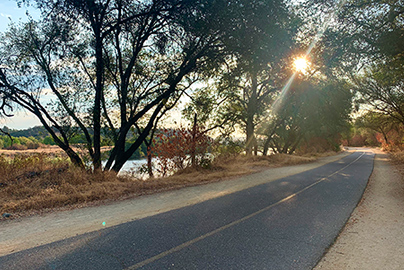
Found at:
<point>250,134</point>
<point>251,111</point>
<point>97,101</point>
<point>266,146</point>
<point>122,157</point>
<point>74,158</point>
<point>193,146</point>
<point>384,136</point>
<point>149,162</point>
<point>255,145</point>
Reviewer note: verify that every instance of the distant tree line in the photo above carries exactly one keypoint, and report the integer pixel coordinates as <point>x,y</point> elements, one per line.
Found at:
<point>36,137</point>
<point>19,143</point>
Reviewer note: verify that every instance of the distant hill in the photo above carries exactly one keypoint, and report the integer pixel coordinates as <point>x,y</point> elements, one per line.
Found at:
<point>41,135</point>
<point>37,132</point>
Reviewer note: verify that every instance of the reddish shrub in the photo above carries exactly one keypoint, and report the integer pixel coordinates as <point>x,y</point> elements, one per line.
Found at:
<point>176,149</point>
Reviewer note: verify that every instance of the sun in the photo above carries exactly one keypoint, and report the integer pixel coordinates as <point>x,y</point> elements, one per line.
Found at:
<point>301,64</point>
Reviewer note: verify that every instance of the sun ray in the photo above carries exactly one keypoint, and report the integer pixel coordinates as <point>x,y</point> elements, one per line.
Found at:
<point>304,63</point>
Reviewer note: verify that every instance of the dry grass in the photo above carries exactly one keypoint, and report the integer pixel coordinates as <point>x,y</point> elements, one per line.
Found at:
<point>37,182</point>
<point>397,157</point>
<point>51,150</point>
<point>225,168</point>
<point>320,154</point>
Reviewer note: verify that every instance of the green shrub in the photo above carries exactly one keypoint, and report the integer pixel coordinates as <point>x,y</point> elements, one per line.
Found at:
<point>48,140</point>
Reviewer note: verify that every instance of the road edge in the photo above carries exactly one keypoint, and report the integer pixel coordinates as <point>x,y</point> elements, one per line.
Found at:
<point>349,219</point>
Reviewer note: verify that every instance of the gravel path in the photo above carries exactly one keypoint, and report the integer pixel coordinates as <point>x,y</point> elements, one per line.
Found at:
<point>373,238</point>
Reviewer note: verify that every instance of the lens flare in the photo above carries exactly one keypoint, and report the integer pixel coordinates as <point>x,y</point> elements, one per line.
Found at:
<point>301,64</point>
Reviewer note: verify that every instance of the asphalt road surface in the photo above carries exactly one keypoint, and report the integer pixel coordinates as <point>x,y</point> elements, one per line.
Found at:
<point>284,224</point>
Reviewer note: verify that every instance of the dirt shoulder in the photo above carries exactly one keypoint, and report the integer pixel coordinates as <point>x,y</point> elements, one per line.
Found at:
<point>373,238</point>
<point>29,232</point>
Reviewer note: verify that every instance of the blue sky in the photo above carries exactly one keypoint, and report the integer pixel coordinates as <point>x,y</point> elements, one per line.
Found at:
<point>9,10</point>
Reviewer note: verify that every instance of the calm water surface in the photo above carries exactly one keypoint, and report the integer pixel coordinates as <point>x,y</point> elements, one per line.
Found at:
<point>130,165</point>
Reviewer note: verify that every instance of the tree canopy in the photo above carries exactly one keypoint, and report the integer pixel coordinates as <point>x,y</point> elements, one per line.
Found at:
<point>113,64</point>
<point>112,69</point>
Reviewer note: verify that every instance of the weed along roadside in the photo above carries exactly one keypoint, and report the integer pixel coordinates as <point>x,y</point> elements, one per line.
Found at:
<point>36,184</point>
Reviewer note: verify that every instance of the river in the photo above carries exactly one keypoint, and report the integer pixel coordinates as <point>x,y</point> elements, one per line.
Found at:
<point>131,166</point>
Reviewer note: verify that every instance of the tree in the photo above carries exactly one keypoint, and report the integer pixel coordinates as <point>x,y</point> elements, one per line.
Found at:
<point>260,39</point>
<point>212,109</point>
<point>359,33</point>
<point>377,39</point>
<point>110,65</point>
<point>378,122</point>
<point>309,111</point>
<point>377,24</point>
<point>382,87</point>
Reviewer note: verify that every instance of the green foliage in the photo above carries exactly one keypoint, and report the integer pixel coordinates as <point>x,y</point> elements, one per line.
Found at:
<point>259,36</point>
<point>30,143</point>
<point>368,42</point>
<point>215,109</point>
<point>203,103</point>
<point>20,143</point>
<point>382,87</point>
<point>6,141</point>
<point>37,132</point>
<point>33,137</point>
<point>310,110</point>
<point>378,129</point>
<point>48,140</point>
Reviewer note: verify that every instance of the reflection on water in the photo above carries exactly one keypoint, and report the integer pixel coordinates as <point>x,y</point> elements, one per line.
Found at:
<point>130,166</point>
<point>133,164</point>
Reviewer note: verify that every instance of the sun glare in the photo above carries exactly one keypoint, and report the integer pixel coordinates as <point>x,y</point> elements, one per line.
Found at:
<point>301,64</point>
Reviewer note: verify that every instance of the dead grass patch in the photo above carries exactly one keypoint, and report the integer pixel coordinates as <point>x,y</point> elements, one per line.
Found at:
<point>321,154</point>
<point>51,150</point>
<point>228,167</point>
<point>397,157</point>
<point>37,182</point>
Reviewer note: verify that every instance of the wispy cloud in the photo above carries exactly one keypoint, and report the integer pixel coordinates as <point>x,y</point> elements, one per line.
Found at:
<point>6,15</point>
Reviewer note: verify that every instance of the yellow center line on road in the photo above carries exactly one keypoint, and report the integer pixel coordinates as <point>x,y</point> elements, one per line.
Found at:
<point>190,242</point>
